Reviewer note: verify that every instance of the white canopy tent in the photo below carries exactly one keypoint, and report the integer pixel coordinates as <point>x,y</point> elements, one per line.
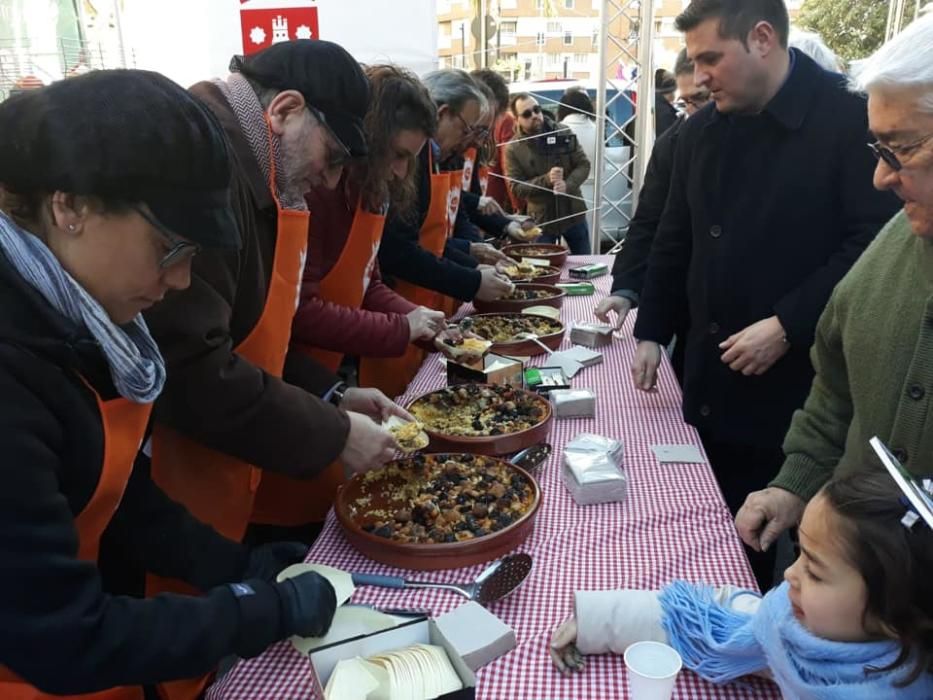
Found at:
<point>190,41</point>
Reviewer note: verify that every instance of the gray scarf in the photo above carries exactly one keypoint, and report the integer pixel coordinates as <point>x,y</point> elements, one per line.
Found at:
<point>136,366</point>
<point>250,116</point>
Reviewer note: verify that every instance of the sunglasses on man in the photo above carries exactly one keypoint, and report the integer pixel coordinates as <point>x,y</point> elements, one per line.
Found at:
<point>530,111</point>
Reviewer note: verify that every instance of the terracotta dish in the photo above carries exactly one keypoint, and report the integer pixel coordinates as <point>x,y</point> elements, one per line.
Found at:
<point>523,296</point>
<point>482,418</point>
<point>438,511</point>
<point>503,329</point>
<point>556,255</point>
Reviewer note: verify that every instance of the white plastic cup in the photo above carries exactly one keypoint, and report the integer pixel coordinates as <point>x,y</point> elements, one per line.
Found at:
<point>652,670</point>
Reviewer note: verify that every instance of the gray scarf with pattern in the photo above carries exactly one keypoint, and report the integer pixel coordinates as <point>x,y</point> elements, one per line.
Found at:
<point>136,365</point>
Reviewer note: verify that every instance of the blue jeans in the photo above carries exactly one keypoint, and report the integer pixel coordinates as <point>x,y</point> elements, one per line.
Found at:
<point>577,236</point>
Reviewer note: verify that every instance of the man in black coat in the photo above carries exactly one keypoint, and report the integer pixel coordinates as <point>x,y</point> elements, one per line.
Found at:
<point>628,269</point>
<point>665,114</point>
<point>770,203</point>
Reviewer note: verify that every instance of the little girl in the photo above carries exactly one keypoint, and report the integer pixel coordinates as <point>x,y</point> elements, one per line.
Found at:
<point>853,618</point>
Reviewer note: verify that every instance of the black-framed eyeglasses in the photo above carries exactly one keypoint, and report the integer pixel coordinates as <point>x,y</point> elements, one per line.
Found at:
<point>481,133</point>
<point>178,249</point>
<point>465,129</point>
<point>530,111</point>
<point>891,156</point>
<point>338,154</point>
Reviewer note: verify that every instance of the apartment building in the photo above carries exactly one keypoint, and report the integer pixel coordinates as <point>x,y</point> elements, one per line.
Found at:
<point>548,39</point>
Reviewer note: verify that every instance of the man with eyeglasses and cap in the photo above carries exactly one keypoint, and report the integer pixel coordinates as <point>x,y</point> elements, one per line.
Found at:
<point>236,403</point>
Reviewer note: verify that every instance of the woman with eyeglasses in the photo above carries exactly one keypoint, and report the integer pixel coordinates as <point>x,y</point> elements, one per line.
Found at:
<point>100,217</point>
<point>417,254</point>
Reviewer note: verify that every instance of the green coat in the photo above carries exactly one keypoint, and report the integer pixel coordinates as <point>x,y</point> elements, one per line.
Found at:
<point>873,357</point>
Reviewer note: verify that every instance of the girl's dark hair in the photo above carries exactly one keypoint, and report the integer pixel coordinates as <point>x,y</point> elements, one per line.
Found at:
<point>575,100</point>
<point>895,561</point>
<point>399,102</point>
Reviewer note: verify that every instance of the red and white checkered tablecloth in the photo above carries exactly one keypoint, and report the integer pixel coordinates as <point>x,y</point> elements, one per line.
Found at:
<point>673,524</point>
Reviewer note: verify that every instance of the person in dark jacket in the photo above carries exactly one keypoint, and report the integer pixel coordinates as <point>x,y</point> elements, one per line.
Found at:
<point>547,167</point>
<point>451,270</point>
<point>665,114</point>
<point>238,404</point>
<point>97,222</point>
<point>628,268</point>
<point>770,204</point>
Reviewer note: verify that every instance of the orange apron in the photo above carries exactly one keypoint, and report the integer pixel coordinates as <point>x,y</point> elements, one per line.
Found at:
<point>393,374</point>
<point>216,488</point>
<point>459,183</point>
<point>483,175</point>
<point>289,502</point>
<point>124,424</point>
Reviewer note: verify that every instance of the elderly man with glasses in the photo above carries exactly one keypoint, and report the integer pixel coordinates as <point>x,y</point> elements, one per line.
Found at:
<point>874,343</point>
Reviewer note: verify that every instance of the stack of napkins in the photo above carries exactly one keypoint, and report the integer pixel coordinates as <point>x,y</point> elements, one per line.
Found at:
<point>575,359</point>
<point>477,635</point>
<point>418,672</point>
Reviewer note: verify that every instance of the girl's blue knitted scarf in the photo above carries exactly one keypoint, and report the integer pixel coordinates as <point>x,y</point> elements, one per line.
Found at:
<point>721,644</point>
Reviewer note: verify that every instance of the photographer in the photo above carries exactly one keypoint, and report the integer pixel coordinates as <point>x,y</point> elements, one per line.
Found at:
<point>547,166</point>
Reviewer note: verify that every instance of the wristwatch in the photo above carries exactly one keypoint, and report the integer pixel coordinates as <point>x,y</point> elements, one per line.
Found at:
<point>337,393</point>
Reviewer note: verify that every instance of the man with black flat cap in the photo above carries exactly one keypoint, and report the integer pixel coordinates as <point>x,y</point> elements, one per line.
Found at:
<point>234,404</point>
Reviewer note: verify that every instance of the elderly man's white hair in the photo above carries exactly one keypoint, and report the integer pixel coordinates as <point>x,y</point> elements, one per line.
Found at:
<point>905,62</point>
<point>813,45</point>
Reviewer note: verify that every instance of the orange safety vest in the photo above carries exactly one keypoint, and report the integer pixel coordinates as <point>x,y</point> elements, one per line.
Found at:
<point>219,489</point>
<point>393,374</point>
<point>282,500</point>
<point>124,423</point>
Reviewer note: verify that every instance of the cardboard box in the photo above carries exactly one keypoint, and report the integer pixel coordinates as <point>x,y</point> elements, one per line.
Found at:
<point>577,289</point>
<point>587,272</point>
<point>573,403</point>
<point>592,335</point>
<point>419,630</point>
<point>592,470</point>
<point>545,379</point>
<point>478,636</point>
<point>492,369</point>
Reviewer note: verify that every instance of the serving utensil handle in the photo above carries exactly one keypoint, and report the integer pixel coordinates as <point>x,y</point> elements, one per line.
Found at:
<point>378,580</point>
